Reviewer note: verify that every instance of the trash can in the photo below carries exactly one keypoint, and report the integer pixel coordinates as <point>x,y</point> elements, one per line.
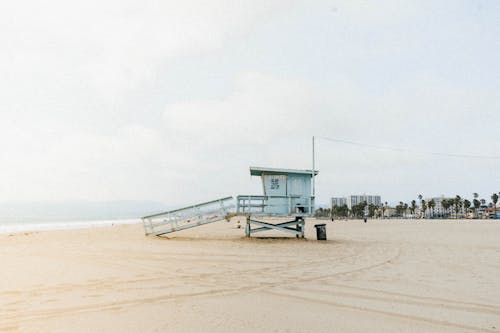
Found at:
<point>320,231</point>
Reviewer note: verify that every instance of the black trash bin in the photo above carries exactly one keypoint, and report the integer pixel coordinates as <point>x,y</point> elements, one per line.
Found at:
<point>320,231</point>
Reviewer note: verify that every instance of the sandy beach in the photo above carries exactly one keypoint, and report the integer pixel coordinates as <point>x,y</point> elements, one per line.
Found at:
<point>383,276</point>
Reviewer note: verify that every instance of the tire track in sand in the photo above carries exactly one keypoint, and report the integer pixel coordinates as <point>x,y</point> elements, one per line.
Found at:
<point>382,312</point>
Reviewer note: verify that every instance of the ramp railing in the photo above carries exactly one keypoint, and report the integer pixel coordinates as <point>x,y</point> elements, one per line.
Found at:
<point>187,217</point>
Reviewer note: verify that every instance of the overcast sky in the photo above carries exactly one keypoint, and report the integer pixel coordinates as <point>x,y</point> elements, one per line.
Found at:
<point>172,101</point>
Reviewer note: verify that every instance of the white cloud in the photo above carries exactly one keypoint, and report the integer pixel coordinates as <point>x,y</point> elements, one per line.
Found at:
<point>68,70</point>
<point>260,109</point>
<point>112,46</point>
<point>67,66</point>
<point>375,12</point>
<point>206,145</point>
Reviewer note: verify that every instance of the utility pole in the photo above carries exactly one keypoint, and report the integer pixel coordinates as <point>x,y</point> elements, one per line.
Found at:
<point>313,171</point>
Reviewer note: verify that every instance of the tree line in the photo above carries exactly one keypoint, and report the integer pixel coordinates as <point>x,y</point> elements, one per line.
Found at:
<point>451,207</point>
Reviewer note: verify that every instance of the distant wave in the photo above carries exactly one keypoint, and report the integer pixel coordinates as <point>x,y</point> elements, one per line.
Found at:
<point>62,225</point>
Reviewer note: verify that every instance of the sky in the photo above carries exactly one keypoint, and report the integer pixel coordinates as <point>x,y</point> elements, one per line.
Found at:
<point>172,101</point>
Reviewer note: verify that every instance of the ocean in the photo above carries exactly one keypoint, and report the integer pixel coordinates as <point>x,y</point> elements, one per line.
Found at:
<point>36,216</point>
<point>7,227</point>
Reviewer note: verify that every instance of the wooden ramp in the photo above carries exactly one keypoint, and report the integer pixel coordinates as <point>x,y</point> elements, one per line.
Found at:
<point>187,217</point>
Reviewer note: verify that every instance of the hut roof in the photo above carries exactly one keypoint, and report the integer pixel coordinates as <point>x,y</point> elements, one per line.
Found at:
<point>258,171</point>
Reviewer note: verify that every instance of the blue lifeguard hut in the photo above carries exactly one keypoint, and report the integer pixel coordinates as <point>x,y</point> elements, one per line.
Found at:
<point>287,193</point>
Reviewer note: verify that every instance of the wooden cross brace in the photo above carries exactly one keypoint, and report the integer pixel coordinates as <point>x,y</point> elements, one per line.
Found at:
<point>298,223</point>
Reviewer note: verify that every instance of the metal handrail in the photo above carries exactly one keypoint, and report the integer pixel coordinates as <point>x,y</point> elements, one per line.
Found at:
<point>187,217</point>
<point>186,208</point>
<point>245,203</point>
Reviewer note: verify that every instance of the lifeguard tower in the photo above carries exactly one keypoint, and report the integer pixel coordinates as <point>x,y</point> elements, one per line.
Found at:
<point>287,193</point>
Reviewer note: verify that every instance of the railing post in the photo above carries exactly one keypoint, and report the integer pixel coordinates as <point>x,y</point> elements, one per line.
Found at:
<point>152,229</point>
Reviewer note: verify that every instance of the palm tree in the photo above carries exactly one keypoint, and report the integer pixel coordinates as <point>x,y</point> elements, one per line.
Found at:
<point>476,204</point>
<point>467,205</point>
<point>446,204</point>
<point>423,207</point>
<point>420,198</point>
<point>483,202</point>
<point>432,204</point>
<point>413,207</point>
<point>450,203</point>
<point>475,195</point>
<point>401,209</point>
<point>494,198</point>
<point>458,204</point>
<point>406,209</point>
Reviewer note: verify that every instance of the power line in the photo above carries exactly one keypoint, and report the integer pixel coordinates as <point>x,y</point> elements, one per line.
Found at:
<point>406,150</point>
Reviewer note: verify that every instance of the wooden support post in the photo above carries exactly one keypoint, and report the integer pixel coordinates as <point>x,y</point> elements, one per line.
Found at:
<point>248,227</point>
<point>300,227</point>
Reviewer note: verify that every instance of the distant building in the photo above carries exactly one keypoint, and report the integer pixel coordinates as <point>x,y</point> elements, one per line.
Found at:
<point>339,202</point>
<point>492,212</point>
<point>438,209</point>
<point>482,211</point>
<point>353,200</point>
<point>389,212</point>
